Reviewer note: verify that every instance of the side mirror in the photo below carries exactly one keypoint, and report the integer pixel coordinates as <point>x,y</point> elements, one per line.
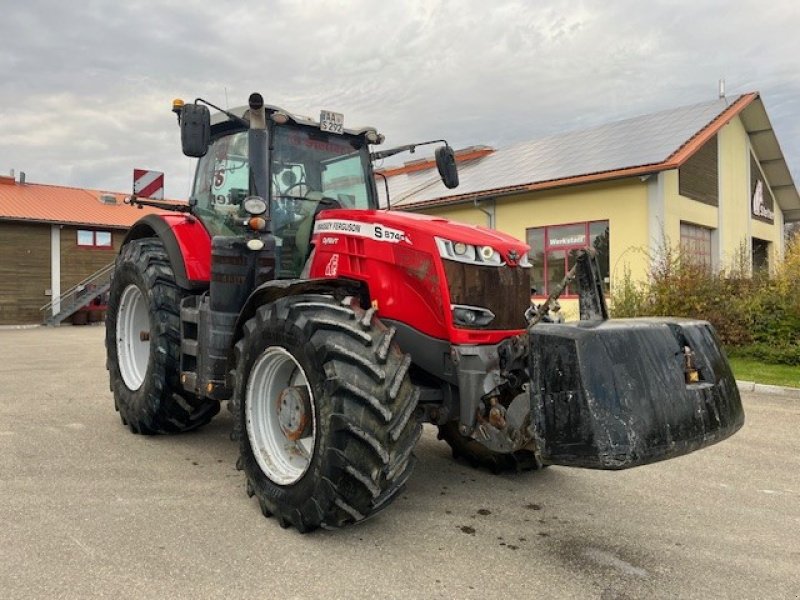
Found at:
<point>195,130</point>
<point>446,163</point>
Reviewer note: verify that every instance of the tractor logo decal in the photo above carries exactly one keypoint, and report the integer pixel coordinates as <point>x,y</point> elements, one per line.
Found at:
<point>375,231</point>
<point>333,266</point>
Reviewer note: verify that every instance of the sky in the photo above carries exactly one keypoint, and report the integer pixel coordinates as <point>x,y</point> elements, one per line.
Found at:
<point>86,89</point>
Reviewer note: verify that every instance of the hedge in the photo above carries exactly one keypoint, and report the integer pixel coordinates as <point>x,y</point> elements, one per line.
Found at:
<point>755,315</point>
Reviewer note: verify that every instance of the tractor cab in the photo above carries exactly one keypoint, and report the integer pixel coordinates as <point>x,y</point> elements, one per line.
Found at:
<point>295,166</point>
<point>299,171</point>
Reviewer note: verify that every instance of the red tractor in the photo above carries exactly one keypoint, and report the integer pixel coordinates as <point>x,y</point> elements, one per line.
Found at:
<point>335,329</point>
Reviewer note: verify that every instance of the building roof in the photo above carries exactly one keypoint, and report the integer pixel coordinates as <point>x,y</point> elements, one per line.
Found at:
<point>40,203</point>
<point>635,146</point>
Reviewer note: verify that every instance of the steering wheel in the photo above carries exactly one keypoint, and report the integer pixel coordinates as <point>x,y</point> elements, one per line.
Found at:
<point>287,191</point>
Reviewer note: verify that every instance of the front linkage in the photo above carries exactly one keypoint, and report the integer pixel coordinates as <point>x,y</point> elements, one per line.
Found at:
<point>506,427</point>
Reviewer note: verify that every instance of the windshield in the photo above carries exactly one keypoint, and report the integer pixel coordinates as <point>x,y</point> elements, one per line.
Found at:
<point>309,163</point>
<point>310,170</point>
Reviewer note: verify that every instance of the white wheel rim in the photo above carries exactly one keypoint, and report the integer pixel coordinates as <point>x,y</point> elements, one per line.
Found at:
<point>133,337</point>
<point>282,459</point>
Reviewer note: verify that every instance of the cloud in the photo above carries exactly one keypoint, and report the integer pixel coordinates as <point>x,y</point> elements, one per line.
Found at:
<point>86,90</point>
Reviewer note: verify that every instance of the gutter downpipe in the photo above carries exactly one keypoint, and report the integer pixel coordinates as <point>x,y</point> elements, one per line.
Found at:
<point>490,214</point>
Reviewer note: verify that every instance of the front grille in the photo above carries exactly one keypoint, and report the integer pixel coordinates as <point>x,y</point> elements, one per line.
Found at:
<point>506,291</point>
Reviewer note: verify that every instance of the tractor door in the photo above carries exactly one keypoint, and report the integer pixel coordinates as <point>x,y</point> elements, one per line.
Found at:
<point>313,171</point>
<point>222,182</point>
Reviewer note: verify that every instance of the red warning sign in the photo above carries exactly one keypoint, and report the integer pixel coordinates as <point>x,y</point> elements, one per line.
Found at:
<point>148,184</point>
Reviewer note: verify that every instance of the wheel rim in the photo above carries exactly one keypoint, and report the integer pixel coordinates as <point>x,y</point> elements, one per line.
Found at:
<point>280,416</point>
<point>133,337</point>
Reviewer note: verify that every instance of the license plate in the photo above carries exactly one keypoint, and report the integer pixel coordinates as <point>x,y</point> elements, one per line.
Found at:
<point>331,122</point>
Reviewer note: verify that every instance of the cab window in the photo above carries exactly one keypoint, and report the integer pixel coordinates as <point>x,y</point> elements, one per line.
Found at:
<point>222,182</point>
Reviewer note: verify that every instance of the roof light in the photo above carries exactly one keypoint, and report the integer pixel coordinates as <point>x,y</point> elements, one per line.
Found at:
<point>177,108</point>
<point>279,117</point>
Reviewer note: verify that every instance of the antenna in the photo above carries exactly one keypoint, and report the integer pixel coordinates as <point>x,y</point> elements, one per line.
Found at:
<point>722,87</point>
<point>227,104</point>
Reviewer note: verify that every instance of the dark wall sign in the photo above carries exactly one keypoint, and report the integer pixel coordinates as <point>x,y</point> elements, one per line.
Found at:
<point>762,206</point>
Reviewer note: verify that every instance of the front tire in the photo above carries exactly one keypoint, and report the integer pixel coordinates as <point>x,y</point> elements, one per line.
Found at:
<point>143,344</point>
<point>324,411</point>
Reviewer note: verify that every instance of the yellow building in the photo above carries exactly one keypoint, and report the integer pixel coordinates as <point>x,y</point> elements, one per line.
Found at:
<point>709,177</point>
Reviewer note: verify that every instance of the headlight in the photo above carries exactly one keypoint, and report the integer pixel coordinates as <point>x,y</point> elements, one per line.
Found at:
<point>462,252</point>
<point>471,316</point>
<point>255,205</point>
<point>491,256</point>
<point>467,253</point>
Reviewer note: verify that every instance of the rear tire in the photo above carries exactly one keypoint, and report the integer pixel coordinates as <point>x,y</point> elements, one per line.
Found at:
<point>478,455</point>
<point>342,450</point>
<point>143,344</point>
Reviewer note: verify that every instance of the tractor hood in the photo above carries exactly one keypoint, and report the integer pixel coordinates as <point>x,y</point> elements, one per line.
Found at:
<point>408,224</point>
<point>408,263</point>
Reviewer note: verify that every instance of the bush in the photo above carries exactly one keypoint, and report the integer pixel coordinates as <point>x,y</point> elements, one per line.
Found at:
<point>629,298</point>
<point>768,353</point>
<point>757,315</point>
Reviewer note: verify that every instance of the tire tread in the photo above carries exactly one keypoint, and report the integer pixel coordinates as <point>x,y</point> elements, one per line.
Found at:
<point>160,406</point>
<point>372,430</point>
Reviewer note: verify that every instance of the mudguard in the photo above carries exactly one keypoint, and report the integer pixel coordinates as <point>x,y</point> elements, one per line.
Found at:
<point>186,241</point>
<point>614,394</point>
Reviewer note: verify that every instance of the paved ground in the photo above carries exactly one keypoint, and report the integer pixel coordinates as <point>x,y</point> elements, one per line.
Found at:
<point>89,510</point>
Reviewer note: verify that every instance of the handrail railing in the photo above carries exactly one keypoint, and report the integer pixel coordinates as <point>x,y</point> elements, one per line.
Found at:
<point>78,295</point>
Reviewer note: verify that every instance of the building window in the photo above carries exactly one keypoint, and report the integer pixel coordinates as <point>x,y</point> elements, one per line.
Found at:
<point>552,253</point>
<point>760,255</point>
<point>88,238</point>
<point>696,244</point>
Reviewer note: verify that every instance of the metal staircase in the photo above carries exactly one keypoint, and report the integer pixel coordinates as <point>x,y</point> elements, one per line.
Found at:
<point>77,296</point>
